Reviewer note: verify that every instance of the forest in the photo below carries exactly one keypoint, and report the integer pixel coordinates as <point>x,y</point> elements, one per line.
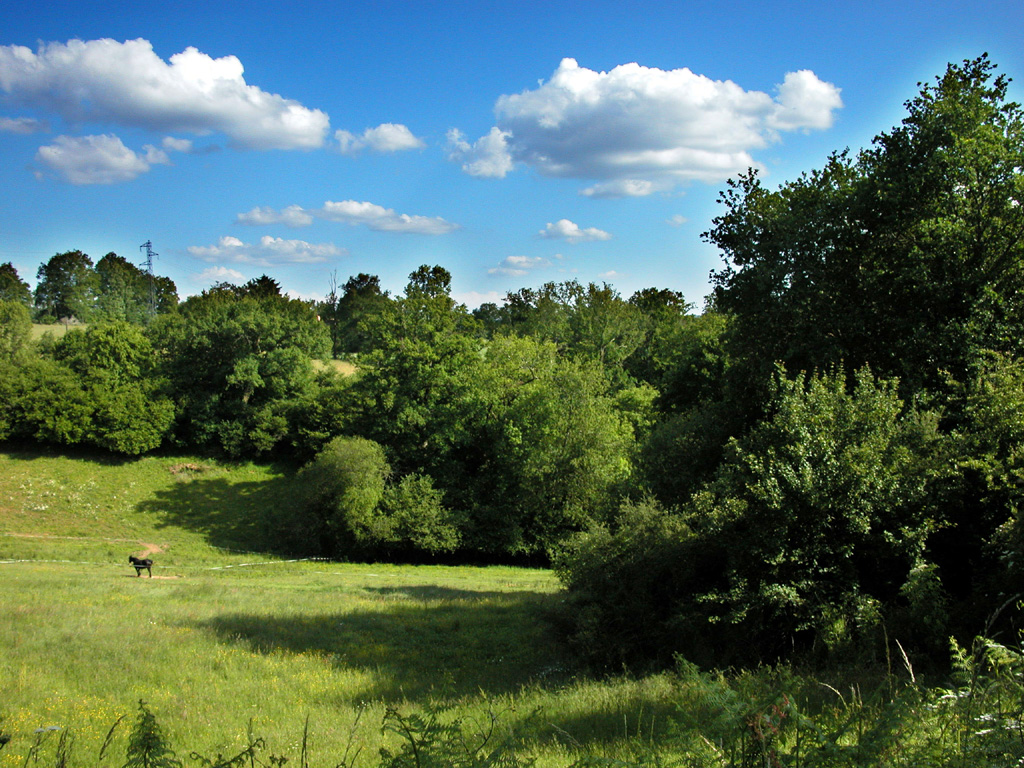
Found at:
<point>827,455</point>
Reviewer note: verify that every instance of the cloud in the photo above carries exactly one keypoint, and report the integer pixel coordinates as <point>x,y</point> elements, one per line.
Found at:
<point>172,144</point>
<point>382,219</point>
<point>22,125</point>
<point>805,103</point>
<point>488,157</point>
<point>292,216</point>
<point>269,251</point>
<point>386,137</point>
<point>638,130</point>
<point>128,84</point>
<point>517,266</point>
<point>370,215</point>
<point>625,188</point>
<point>473,299</point>
<point>676,221</point>
<point>220,275</point>
<point>563,229</point>
<point>97,159</point>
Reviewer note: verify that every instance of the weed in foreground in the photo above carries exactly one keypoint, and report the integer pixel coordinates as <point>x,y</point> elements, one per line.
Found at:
<point>754,718</point>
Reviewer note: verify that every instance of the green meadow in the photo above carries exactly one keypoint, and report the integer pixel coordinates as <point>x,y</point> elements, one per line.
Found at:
<point>224,635</point>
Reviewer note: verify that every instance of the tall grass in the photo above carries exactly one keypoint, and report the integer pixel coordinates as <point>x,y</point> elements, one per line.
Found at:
<point>243,659</point>
<point>222,636</point>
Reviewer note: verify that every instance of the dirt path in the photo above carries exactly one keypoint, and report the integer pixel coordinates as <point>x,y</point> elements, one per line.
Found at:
<point>150,549</point>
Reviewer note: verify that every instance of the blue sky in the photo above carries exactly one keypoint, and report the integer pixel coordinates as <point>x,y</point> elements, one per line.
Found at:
<point>511,143</point>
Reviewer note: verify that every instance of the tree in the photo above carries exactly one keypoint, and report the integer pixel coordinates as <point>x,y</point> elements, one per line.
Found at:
<point>240,366</point>
<point>544,449</point>
<point>123,290</point>
<point>350,314</point>
<point>412,379</point>
<point>115,364</point>
<point>817,513</point>
<point>66,287</point>
<point>12,287</point>
<point>605,328</point>
<point>15,329</point>
<point>344,487</point>
<point>907,257</point>
<point>807,536</point>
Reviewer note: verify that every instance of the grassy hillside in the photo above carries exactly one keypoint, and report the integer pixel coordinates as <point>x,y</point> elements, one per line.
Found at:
<point>221,636</point>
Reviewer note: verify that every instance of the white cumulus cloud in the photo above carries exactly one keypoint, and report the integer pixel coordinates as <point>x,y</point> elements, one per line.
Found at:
<point>220,275</point>
<point>382,219</point>
<point>386,137</point>
<point>563,229</point>
<point>292,216</point>
<point>516,266</point>
<point>129,84</point>
<point>354,212</point>
<point>100,159</point>
<point>625,188</point>
<point>269,251</point>
<point>171,144</point>
<point>488,157</point>
<point>637,130</point>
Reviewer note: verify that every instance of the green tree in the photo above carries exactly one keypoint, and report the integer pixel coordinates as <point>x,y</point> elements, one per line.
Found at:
<point>344,487</point>
<point>66,287</point>
<point>605,328</point>
<point>240,367</point>
<point>125,292</point>
<point>351,313</point>
<point>546,449</point>
<point>411,382</point>
<point>12,287</point>
<point>907,257</point>
<point>809,533</point>
<point>15,329</point>
<point>115,365</point>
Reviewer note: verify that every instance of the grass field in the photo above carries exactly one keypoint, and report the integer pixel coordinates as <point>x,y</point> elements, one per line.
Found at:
<point>57,329</point>
<point>223,635</point>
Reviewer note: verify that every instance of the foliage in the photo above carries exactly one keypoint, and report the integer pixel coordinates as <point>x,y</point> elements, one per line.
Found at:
<point>906,258</point>
<point>12,287</point>
<point>623,587</point>
<point>239,364</point>
<point>349,314</point>
<point>127,293</point>
<point>344,487</point>
<point>419,519</point>
<point>15,330</point>
<point>428,742</point>
<point>147,745</point>
<point>99,389</point>
<point>548,446</point>
<point>812,519</point>
<point>66,287</point>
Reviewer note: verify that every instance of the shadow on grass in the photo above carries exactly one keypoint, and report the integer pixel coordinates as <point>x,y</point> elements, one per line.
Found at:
<point>460,644</point>
<point>24,450</point>
<point>431,593</point>
<point>459,647</point>
<point>230,512</point>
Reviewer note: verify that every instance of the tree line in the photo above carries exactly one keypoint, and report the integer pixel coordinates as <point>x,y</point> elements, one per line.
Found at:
<point>826,457</point>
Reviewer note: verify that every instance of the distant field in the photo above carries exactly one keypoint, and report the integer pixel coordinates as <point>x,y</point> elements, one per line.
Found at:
<point>57,329</point>
<point>221,636</point>
<point>344,367</point>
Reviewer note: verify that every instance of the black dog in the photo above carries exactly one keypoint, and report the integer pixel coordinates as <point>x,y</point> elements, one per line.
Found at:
<point>141,564</point>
